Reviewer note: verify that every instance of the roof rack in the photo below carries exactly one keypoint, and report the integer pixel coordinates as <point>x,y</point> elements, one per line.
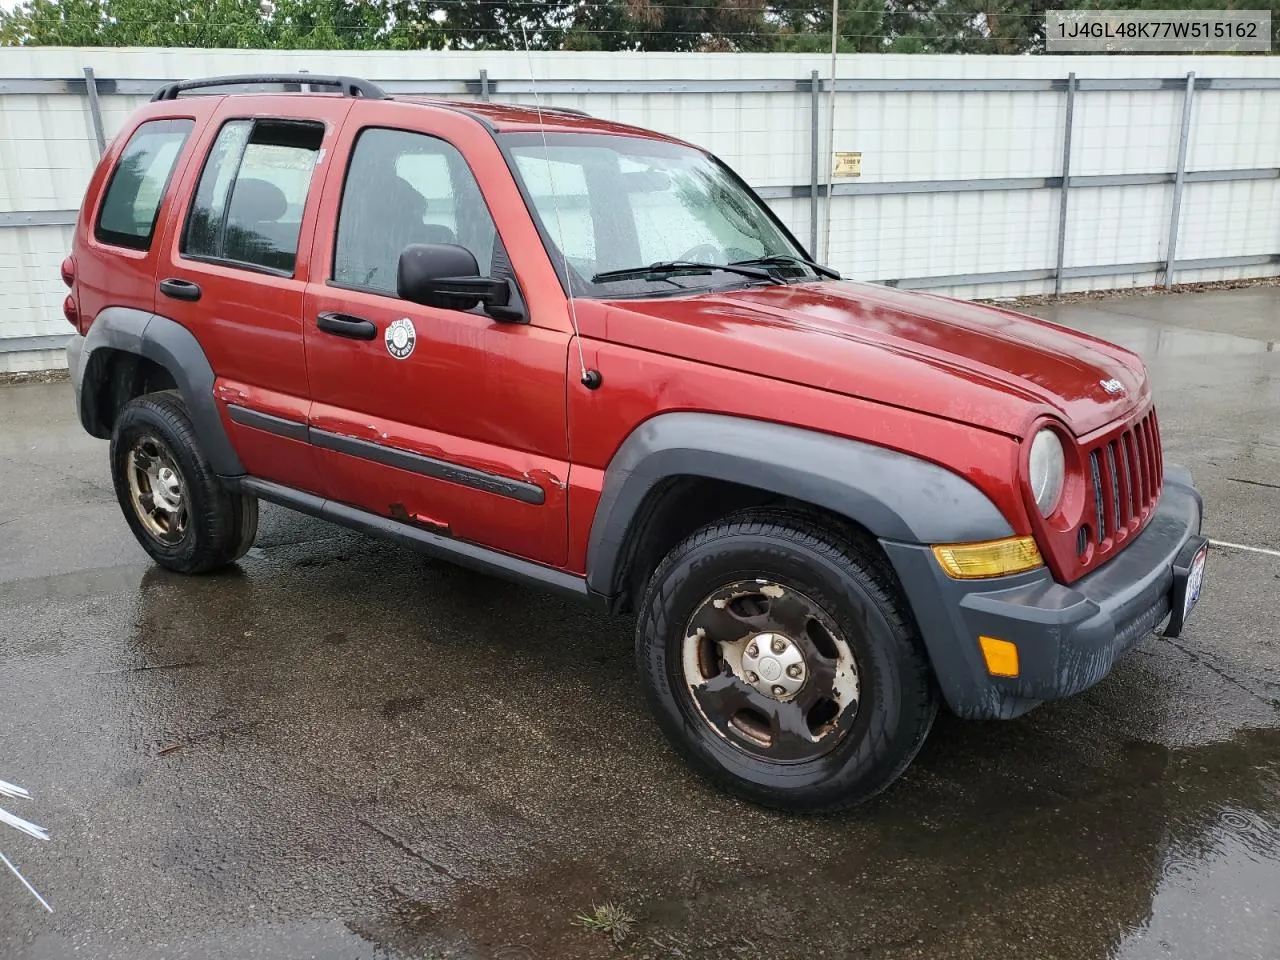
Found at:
<point>570,110</point>
<point>347,86</point>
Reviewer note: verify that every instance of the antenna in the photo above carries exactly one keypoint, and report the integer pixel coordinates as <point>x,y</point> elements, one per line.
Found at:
<point>590,378</point>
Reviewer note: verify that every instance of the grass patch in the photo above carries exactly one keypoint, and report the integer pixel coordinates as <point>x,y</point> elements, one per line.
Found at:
<point>609,918</point>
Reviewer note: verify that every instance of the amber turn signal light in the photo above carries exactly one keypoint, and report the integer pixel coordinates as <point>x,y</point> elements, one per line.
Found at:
<point>991,558</point>
<point>1001,657</point>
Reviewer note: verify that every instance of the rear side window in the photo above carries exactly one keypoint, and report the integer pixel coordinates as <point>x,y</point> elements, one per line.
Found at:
<point>248,206</point>
<point>129,209</point>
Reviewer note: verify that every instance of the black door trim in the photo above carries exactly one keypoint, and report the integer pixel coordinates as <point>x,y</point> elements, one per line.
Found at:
<point>493,483</point>
<point>290,429</point>
<point>430,467</point>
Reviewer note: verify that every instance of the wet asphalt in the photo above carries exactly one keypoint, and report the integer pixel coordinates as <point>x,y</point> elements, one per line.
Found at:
<point>344,750</point>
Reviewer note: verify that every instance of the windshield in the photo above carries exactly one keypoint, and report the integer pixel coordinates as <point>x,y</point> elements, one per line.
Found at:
<point>616,203</point>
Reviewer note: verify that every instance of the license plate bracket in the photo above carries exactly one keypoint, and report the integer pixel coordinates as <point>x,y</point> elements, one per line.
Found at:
<point>1188,580</point>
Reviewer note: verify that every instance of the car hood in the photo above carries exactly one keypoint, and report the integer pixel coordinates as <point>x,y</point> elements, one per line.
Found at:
<point>951,358</point>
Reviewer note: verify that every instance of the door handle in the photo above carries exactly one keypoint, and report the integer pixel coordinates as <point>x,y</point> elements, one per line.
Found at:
<point>180,289</point>
<point>345,325</point>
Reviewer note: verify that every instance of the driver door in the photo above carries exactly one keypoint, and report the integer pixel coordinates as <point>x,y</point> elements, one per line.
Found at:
<point>444,419</point>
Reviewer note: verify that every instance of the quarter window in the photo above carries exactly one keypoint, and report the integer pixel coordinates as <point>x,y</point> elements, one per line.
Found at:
<point>248,206</point>
<point>132,201</point>
<point>404,188</point>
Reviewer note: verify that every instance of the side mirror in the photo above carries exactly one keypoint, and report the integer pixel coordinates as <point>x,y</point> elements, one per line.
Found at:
<point>446,275</point>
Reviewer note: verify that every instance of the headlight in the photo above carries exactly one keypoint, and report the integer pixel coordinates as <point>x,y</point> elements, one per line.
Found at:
<point>1048,470</point>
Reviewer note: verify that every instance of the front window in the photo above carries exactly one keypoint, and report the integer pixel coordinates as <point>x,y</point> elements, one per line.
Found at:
<point>404,188</point>
<point>611,203</point>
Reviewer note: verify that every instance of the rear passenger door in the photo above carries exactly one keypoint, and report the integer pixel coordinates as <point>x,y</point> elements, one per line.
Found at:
<point>236,264</point>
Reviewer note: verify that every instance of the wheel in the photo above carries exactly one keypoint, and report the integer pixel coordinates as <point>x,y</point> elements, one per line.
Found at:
<point>782,661</point>
<point>179,510</point>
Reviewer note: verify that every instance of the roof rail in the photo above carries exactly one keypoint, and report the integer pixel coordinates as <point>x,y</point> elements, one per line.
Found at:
<point>570,110</point>
<point>347,86</point>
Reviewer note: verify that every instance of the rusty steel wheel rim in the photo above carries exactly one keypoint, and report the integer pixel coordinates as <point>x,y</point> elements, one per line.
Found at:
<point>769,671</point>
<point>156,489</point>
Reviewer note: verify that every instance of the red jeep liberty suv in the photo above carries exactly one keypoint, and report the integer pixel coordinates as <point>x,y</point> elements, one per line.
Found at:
<point>587,356</point>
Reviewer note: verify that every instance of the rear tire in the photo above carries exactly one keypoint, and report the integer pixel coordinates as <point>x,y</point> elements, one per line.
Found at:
<point>782,661</point>
<point>182,514</point>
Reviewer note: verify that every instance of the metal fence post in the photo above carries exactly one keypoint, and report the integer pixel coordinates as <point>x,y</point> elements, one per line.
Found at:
<point>1066,184</point>
<point>1178,178</point>
<point>484,84</point>
<point>815,98</point>
<point>95,109</point>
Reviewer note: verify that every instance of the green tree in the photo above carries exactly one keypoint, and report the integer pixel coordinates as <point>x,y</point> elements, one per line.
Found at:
<point>146,23</point>
<point>803,26</point>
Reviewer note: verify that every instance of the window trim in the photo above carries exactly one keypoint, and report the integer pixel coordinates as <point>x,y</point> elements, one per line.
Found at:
<point>239,265</point>
<point>518,302</point>
<point>112,238</point>
<point>235,177</point>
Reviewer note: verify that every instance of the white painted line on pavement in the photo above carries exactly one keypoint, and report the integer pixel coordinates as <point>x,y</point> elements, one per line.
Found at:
<point>1241,546</point>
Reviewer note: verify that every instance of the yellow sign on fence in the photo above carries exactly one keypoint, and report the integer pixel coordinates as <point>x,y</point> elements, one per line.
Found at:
<point>848,164</point>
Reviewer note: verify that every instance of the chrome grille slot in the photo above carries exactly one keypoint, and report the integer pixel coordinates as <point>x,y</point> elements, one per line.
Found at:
<point>1113,479</point>
<point>1130,472</point>
<point>1144,463</point>
<point>1097,496</point>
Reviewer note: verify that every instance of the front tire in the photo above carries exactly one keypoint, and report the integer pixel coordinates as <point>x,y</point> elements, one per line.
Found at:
<point>781,661</point>
<point>178,509</point>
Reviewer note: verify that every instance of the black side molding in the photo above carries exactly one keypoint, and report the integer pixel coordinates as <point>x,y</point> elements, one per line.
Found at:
<point>458,551</point>
<point>494,483</point>
<point>430,467</point>
<point>290,429</point>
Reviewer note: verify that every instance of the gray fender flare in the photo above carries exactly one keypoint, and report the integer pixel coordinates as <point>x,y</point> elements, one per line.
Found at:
<point>173,347</point>
<point>893,495</point>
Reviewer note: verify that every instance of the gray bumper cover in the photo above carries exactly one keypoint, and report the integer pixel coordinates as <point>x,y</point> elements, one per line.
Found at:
<point>1068,637</point>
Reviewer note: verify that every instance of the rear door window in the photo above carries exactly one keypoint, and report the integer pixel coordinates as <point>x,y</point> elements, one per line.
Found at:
<point>127,217</point>
<point>248,206</point>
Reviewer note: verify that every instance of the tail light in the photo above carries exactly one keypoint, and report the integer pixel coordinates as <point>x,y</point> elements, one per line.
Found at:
<point>70,306</point>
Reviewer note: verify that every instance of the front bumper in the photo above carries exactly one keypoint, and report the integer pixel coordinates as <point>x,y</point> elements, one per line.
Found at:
<point>1068,637</point>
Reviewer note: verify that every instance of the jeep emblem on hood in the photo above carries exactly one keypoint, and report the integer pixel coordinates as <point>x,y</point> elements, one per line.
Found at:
<point>1113,387</point>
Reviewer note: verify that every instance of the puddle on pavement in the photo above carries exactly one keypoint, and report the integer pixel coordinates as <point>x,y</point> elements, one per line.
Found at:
<point>339,754</point>
<point>1155,341</point>
<point>1179,862</point>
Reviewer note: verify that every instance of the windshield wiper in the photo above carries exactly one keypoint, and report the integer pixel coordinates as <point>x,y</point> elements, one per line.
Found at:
<point>665,268</point>
<point>788,258</point>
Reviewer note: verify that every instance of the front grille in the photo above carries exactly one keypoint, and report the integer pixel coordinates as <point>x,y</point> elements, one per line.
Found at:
<point>1127,474</point>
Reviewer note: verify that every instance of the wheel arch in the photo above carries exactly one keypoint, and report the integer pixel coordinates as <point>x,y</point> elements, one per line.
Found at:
<point>129,352</point>
<point>887,494</point>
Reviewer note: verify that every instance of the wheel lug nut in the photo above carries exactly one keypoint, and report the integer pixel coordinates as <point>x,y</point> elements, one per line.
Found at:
<point>793,671</point>
<point>751,677</point>
<point>778,645</point>
<point>778,691</point>
<point>753,651</point>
